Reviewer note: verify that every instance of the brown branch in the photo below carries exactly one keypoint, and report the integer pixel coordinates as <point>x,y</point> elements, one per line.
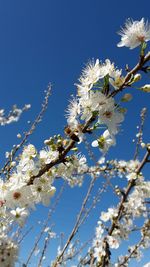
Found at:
<point>140,243</point>
<point>85,127</point>
<point>131,184</point>
<point>62,156</point>
<point>130,73</point>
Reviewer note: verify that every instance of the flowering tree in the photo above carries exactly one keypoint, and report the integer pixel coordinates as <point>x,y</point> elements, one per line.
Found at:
<point>94,117</point>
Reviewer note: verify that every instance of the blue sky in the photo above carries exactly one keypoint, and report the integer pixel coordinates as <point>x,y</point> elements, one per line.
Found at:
<point>51,41</point>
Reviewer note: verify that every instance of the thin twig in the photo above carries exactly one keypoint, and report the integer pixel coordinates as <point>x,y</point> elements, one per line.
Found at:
<point>46,223</point>
<point>76,226</point>
<point>140,132</point>
<point>31,130</point>
<point>130,73</point>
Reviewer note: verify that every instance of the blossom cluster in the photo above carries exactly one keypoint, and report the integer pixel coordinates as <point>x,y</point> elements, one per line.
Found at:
<point>94,101</point>
<point>134,207</point>
<point>13,115</point>
<point>17,195</point>
<point>32,175</point>
<point>8,251</point>
<point>95,85</point>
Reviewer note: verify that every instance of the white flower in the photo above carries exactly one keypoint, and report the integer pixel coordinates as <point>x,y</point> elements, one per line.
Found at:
<point>73,169</point>
<point>132,165</point>
<point>99,229</point>
<point>112,118</point>
<point>42,190</point>
<point>113,242</point>
<point>95,71</point>
<point>134,33</point>
<point>147,264</point>
<point>52,234</point>
<point>90,75</point>
<point>99,252</point>
<point>104,142</point>
<point>27,165</point>
<point>47,156</point>
<point>122,164</point>
<point>73,112</point>
<point>111,213</point>
<point>3,191</point>
<point>18,197</point>
<point>19,214</point>
<point>115,77</point>
<point>29,151</point>
<point>132,176</point>
<point>95,101</point>
<point>101,160</point>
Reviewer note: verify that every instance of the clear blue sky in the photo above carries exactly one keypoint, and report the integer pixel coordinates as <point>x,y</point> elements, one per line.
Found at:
<point>50,41</point>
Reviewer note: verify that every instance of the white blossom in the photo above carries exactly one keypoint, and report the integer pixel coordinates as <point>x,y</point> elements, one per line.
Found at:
<point>104,142</point>
<point>113,242</point>
<point>112,118</point>
<point>19,215</point>
<point>134,33</point>
<point>99,252</point>
<point>46,156</point>
<point>112,213</point>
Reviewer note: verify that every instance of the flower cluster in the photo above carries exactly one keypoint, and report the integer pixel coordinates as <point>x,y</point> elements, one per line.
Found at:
<point>134,207</point>
<point>8,251</point>
<point>94,101</point>
<point>13,115</point>
<point>31,175</point>
<point>18,195</point>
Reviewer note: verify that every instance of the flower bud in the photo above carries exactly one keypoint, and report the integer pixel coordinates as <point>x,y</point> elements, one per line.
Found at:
<point>18,135</point>
<point>126,98</point>
<point>146,88</point>
<point>47,142</point>
<point>13,164</point>
<point>148,147</point>
<point>137,77</point>
<point>143,145</point>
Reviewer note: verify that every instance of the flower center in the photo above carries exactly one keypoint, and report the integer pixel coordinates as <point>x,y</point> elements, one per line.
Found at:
<point>141,38</point>
<point>16,195</point>
<point>101,142</point>
<point>39,189</point>
<point>2,203</point>
<point>108,114</point>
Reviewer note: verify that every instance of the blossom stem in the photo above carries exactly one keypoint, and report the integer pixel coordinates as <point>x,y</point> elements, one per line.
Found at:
<point>130,73</point>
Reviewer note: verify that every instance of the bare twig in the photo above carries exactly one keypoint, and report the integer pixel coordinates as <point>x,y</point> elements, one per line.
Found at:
<point>76,226</point>
<point>130,73</point>
<point>45,223</point>
<point>7,166</point>
<point>140,132</point>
